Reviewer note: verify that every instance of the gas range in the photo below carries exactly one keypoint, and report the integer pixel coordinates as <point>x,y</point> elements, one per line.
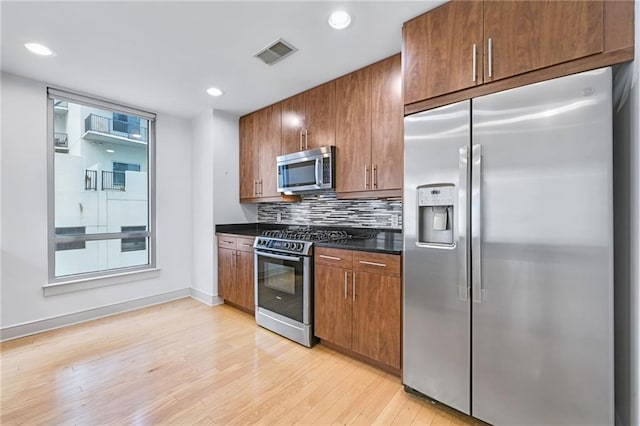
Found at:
<point>297,241</point>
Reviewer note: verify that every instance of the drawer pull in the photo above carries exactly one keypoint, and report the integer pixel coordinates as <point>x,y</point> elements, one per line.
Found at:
<point>246,245</point>
<point>329,257</point>
<point>228,242</point>
<point>382,265</point>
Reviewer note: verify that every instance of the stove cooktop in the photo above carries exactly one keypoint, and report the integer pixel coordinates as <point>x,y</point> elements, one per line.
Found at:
<point>297,241</point>
<point>313,235</point>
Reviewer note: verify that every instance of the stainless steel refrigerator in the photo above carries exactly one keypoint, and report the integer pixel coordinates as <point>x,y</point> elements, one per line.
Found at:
<point>508,253</point>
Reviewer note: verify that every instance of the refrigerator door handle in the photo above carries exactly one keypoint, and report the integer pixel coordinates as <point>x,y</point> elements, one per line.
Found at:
<point>476,223</point>
<point>463,267</point>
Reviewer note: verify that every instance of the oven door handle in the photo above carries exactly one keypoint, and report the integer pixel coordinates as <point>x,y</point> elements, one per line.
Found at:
<point>278,256</point>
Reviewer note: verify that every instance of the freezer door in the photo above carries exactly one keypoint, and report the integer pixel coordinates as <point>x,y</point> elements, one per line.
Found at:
<point>436,312</point>
<point>542,311</point>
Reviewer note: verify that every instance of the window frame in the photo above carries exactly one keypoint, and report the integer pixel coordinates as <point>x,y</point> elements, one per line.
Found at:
<point>150,234</point>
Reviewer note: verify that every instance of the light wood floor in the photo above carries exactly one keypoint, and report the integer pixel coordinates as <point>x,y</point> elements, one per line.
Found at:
<point>186,363</point>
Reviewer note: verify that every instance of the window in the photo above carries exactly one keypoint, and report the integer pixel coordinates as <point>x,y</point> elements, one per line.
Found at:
<point>99,184</point>
<point>133,244</point>
<point>119,174</point>
<point>71,245</point>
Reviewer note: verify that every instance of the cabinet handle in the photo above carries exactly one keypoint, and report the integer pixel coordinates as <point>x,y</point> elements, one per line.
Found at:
<point>261,193</point>
<point>473,61</point>
<point>300,139</point>
<point>227,242</point>
<point>233,260</point>
<point>354,286</point>
<point>374,173</point>
<point>255,185</point>
<point>329,257</point>
<point>246,245</point>
<point>490,54</point>
<point>345,285</point>
<point>366,176</point>
<point>382,265</point>
<point>306,138</point>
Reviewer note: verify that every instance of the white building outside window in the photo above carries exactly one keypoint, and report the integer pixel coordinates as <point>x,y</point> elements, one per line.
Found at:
<point>101,217</point>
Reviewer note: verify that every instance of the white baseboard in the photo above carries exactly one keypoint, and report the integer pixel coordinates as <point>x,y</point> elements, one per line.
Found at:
<point>26,329</point>
<point>206,298</point>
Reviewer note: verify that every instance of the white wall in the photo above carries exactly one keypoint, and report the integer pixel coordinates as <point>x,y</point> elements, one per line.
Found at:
<point>215,175</point>
<point>24,212</point>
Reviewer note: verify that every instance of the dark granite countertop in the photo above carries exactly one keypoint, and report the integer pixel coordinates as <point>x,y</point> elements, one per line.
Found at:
<point>365,239</point>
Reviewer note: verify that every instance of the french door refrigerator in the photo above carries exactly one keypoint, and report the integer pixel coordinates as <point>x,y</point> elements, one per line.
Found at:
<point>508,253</point>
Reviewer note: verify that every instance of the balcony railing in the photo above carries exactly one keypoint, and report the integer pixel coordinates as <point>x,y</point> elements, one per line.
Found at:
<point>91,180</point>
<point>97,123</point>
<point>113,181</point>
<point>61,140</point>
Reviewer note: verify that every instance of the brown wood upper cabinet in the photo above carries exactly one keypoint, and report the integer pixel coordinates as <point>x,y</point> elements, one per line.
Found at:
<point>369,131</point>
<point>462,44</point>
<point>259,147</point>
<point>308,119</point>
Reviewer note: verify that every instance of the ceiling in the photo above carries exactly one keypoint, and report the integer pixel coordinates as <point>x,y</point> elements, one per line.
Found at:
<point>162,56</point>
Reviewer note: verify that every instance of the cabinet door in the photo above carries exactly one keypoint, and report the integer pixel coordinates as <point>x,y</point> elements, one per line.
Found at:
<point>227,274</point>
<point>267,140</point>
<point>245,280</point>
<point>353,132</point>
<point>332,305</point>
<point>293,121</point>
<point>248,157</point>
<point>529,35</point>
<point>376,317</point>
<point>438,50</point>
<point>320,116</point>
<point>387,117</point>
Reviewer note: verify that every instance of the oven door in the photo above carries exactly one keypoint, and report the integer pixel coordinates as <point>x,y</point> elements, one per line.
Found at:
<point>282,285</point>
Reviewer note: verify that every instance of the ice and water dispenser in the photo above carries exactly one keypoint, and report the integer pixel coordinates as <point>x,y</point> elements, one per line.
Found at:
<point>435,214</point>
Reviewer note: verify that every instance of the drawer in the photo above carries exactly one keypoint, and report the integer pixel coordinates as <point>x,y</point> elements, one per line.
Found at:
<point>225,241</point>
<point>245,244</point>
<point>333,257</point>
<point>378,263</point>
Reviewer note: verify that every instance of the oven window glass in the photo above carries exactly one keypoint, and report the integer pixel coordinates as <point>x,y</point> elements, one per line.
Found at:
<point>299,174</point>
<point>280,285</point>
<point>280,277</point>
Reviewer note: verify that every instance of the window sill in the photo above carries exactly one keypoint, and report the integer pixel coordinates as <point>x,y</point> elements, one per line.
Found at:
<point>80,284</point>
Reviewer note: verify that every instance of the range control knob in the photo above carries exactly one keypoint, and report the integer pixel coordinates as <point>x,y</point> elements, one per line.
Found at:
<point>287,246</point>
<point>299,247</point>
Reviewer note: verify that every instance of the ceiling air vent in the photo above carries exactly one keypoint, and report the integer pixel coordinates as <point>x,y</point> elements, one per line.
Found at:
<point>275,52</point>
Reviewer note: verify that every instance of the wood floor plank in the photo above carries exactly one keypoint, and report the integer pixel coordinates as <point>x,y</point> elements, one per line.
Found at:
<point>186,363</point>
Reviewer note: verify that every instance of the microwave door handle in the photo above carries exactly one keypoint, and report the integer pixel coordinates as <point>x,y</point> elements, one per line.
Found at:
<point>319,172</point>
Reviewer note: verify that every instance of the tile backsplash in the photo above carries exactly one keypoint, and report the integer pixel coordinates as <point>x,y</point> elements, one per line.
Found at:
<point>325,209</point>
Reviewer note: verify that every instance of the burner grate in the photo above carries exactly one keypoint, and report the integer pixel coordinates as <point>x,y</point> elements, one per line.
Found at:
<point>307,234</point>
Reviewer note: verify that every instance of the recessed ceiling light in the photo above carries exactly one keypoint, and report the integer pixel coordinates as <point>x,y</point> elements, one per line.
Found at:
<point>339,20</point>
<point>110,151</point>
<point>214,91</point>
<point>39,49</point>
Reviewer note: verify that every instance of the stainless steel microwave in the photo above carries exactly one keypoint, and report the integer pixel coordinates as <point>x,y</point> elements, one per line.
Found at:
<point>307,171</point>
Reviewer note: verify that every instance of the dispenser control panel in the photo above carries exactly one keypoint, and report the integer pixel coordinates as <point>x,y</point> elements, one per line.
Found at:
<point>436,195</point>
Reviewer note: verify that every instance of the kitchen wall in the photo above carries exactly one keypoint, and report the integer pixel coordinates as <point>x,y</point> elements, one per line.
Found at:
<point>215,195</point>
<point>627,236</point>
<point>23,241</point>
<point>325,209</point>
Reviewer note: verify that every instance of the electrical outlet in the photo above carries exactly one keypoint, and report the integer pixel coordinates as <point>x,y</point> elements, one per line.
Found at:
<point>278,217</point>
<point>395,219</point>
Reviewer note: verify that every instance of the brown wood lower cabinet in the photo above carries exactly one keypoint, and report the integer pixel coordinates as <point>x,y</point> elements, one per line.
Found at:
<point>235,271</point>
<point>357,303</point>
